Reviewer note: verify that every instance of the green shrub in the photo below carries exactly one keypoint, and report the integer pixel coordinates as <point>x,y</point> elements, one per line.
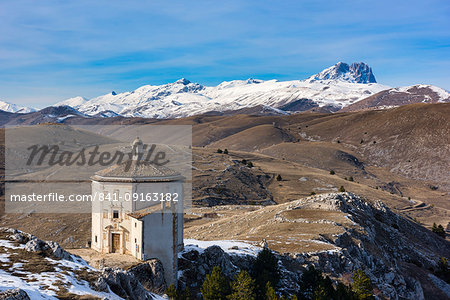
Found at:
<point>443,270</point>
<point>219,151</point>
<point>270,292</point>
<point>279,177</point>
<point>243,287</point>
<point>362,285</point>
<point>172,292</point>
<point>332,172</point>
<point>439,230</point>
<point>225,151</point>
<point>341,189</point>
<point>265,270</point>
<point>216,286</point>
<point>314,285</point>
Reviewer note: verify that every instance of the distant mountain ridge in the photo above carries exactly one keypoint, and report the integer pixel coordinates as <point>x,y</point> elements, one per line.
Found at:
<point>14,108</point>
<point>333,88</point>
<point>339,87</point>
<point>419,93</point>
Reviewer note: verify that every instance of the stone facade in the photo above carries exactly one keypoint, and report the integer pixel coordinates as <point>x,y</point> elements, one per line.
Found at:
<point>128,216</point>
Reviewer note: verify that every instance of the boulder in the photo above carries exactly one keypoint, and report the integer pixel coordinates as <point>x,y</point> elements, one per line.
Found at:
<point>35,245</point>
<point>14,294</point>
<point>124,284</point>
<point>151,275</point>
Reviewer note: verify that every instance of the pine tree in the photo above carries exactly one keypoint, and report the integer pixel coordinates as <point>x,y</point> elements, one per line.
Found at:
<point>332,172</point>
<point>320,293</point>
<point>188,294</point>
<point>270,292</point>
<point>219,151</point>
<point>344,292</point>
<point>309,282</point>
<point>439,230</point>
<point>225,151</point>
<point>265,269</point>
<point>434,227</point>
<point>172,292</point>
<point>362,285</point>
<point>215,286</point>
<point>443,270</point>
<point>243,287</point>
<point>342,189</point>
<point>250,164</point>
<point>279,177</point>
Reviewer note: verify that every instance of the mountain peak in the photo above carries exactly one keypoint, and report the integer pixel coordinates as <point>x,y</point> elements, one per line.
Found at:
<point>182,81</point>
<point>13,108</point>
<point>354,73</point>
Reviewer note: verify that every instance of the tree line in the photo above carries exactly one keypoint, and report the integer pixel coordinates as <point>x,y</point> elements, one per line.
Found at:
<point>263,282</point>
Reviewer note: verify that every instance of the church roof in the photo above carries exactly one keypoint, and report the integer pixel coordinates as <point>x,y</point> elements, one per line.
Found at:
<point>138,214</point>
<point>137,171</point>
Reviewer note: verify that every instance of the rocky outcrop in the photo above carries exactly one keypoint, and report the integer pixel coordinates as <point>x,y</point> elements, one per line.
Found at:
<point>355,73</point>
<point>33,244</point>
<point>122,283</point>
<point>151,275</point>
<point>14,294</point>
<point>139,282</point>
<point>393,251</point>
<point>195,265</point>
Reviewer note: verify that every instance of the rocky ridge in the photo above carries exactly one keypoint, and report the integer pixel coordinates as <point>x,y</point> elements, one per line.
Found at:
<point>395,252</point>
<point>44,270</point>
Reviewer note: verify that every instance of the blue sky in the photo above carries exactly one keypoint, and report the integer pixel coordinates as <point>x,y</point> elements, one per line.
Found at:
<point>53,50</point>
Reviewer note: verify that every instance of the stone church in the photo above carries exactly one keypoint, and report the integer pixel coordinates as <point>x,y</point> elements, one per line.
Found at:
<point>133,220</point>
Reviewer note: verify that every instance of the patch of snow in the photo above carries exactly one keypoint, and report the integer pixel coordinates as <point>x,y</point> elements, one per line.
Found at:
<point>8,281</point>
<point>61,119</point>
<point>9,244</point>
<point>4,257</point>
<point>229,246</point>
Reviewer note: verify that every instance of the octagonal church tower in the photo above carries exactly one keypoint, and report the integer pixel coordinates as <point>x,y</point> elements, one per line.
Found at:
<point>137,209</point>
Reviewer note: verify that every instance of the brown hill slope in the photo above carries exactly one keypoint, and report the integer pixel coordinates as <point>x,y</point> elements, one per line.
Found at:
<point>412,140</point>
<point>255,138</point>
<point>397,97</point>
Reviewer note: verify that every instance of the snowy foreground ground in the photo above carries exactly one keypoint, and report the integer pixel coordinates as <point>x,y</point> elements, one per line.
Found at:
<point>45,285</point>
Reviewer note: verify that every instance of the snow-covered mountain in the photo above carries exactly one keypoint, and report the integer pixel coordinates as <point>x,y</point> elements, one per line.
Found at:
<point>9,107</point>
<point>356,73</point>
<point>335,87</point>
<point>75,101</point>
